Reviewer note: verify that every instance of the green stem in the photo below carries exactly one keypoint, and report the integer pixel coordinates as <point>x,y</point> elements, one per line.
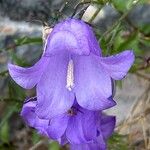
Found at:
<point>118,21</point>
<point>8,115</point>
<point>4,73</point>
<point>112,39</point>
<point>10,100</point>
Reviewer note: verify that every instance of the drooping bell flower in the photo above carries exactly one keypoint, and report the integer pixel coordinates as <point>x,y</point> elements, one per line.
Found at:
<point>81,128</point>
<point>76,126</point>
<point>72,67</point>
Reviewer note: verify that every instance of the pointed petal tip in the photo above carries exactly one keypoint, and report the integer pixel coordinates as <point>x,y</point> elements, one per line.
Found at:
<point>109,123</point>
<point>98,104</point>
<point>129,54</point>
<point>117,66</point>
<point>108,119</point>
<point>9,65</point>
<point>55,129</point>
<point>21,76</point>
<point>110,103</point>
<point>11,68</point>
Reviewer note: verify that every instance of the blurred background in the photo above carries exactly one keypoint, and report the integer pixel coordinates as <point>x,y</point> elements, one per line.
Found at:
<point>118,24</point>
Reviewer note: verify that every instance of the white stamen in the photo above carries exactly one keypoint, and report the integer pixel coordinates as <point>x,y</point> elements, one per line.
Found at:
<point>70,75</point>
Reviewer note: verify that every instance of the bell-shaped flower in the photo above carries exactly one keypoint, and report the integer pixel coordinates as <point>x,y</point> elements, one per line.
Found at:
<point>72,67</point>
<point>81,128</point>
<point>76,126</point>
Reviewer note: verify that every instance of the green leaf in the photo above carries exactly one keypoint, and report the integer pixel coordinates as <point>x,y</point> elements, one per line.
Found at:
<point>102,2</point>
<point>18,60</point>
<point>16,91</point>
<point>118,142</point>
<point>9,111</point>
<point>146,42</point>
<point>119,83</point>
<point>117,41</point>
<point>4,73</point>
<point>103,45</point>
<point>144,2</point>
<point>54,146</point>
<point>7,146</point>
<point>35,137</point>
<point>129,43</point>
<point>122,5</point>
<point>145,28</point>
<point>4,133</point>
<point>28,40</point>
<point>24,41</point>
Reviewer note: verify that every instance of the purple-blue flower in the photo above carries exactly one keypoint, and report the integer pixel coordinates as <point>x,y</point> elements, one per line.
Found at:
<point>72,67</point>
<point>77,125</point>
<point>81,128</point>
<point>105,130</point>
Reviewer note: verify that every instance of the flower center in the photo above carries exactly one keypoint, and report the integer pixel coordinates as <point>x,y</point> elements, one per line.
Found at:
<point>72,112</point>
<point>70,75</point>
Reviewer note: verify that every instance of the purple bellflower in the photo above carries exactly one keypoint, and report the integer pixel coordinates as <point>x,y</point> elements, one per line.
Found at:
<point>81,128</point>
<point>105,130</point>
<point>77,124</point>
<point>72,67</point>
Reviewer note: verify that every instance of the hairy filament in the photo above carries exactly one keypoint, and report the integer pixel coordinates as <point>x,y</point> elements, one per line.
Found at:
<point>70,75</point>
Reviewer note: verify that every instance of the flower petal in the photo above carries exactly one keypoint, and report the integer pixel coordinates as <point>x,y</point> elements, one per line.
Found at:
<point>63,140</point>
<point>70,36</point>
<point>28,113</point>
<point>29,116</point>
<point>85,34</point>
<point>118,65</point>
<point>93,43</point>
<point>28,77</point>
<point>52,95</point>
<point>65,40</point>
<point>57,126</point>
<point>81,147</point>
<point>107,125</point>
<point>98,145</point>
<point>74,36</point>
<point>92,84</point>
<point>82,127</point>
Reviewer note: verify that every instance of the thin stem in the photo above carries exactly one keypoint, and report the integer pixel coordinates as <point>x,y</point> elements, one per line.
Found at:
<point>39,21</point>
<point>119,20</point>
<point>112,39</point>
<point>63,6</point>
<point>11,100</point>
<point>78,5</point>
<point>3,73</point>
<point>38,144</point>
<point>8,115</point>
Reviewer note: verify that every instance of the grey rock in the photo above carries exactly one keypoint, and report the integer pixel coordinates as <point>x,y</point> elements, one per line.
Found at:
<point>106,17</point>
<point>126,97</point>
<point>23,9</point>
<point>140,15</point>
